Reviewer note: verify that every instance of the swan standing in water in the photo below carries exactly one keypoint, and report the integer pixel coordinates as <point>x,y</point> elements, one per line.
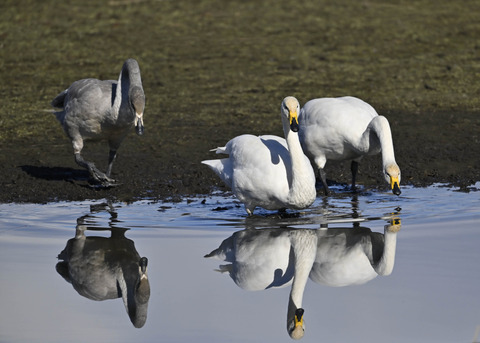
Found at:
<point>347,128</point>
<point>269,171</point>
<point>95,109</point>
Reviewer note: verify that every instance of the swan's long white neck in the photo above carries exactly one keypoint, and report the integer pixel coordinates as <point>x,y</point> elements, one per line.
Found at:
<point>380,126</point>
<point>385,265</point>
<point>301,169</point>
<point>304,245</point>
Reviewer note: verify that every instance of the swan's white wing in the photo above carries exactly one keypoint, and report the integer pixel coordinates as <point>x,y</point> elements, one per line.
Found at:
<point>332,128</point>
<point>259,170</point>
<point>255,169</point>
<point>341,258</point>
<point>260,259</point>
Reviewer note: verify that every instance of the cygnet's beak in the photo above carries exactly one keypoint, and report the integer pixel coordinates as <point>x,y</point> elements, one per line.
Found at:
<point>294,121</point>
<point>395,184</point>
<point>139,124</point>
<point>143,263</point>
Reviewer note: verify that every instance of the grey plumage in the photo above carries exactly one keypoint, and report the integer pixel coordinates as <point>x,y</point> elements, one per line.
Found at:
<point>102,110</point>
<point>101,268</point>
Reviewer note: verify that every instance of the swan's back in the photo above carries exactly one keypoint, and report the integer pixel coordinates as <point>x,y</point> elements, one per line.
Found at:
<point>345,257</point>
<point>255,169</point>
<point>331,128</point>
<point>260,259</point>
<point>346,115</point>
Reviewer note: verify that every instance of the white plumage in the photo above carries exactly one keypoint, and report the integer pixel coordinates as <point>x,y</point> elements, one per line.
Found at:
<point>268,171</point>
<point>347,128</point>
<point>277,257</point>
<point>267,258</point>
<point>354,256</point>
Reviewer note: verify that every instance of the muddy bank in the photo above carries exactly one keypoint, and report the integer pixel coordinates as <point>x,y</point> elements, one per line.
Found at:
<point>172,170</point>
<point>213,70</point>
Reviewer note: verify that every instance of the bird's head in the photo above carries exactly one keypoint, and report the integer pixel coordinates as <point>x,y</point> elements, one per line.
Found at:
<point>137,103</point>
<point>393,176</point>
<point>290,109</point>
<point>296,326</point>
<point>142,291</point>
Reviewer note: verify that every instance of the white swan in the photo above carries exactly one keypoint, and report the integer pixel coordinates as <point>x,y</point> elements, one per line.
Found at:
<point>268,171</point>
<point>346,128</point>
<point>354,256</point>
<point>272,258</point>
<point>267,258</point>
<point>259,259</point>
<point>95,109</point>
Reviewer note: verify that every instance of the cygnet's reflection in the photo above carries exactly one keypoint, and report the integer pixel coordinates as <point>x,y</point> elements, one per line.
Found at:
<point>101,268</point>
<point>265,258</point>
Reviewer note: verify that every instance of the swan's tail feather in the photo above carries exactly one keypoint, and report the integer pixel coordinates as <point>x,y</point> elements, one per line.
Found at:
<point>220,150</point>
<point>222,168</point>
<point>217,253</point>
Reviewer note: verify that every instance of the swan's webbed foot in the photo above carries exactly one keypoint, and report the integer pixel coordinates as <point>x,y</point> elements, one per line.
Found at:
<point>326,191</point>
<point>100,178</point>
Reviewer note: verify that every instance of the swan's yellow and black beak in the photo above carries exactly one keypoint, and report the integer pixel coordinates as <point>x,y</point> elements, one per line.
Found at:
<point>296,329</point>
<point>299,317</point>
<point>395,184</point>
<point>395,225</point>
<point>294,121</point>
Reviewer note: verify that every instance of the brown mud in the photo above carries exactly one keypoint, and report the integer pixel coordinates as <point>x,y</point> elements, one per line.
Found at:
<point>212,70</point>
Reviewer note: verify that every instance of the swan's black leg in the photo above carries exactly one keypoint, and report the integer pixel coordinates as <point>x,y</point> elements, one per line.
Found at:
<point>94,172</point>
<point>323,178</point>
<point>354,169</point>
<point>111,158</point>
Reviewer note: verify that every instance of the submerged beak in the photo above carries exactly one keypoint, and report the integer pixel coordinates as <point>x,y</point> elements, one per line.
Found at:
<point>139,123</point>
<point>294,121</point>
<point>395,184</point>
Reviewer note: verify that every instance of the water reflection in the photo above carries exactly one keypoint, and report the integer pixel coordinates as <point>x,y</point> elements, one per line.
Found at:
<point>101,268</point>
<point>260,259</point>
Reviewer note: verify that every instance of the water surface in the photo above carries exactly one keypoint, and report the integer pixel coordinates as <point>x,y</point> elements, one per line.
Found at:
<point>431,295</point>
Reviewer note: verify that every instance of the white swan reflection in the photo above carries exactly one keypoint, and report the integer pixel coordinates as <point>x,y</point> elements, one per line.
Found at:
<point>101,268</point>
<point>265,258</point>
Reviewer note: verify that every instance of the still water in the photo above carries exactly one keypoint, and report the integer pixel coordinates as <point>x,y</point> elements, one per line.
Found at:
<point>386,269</point>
